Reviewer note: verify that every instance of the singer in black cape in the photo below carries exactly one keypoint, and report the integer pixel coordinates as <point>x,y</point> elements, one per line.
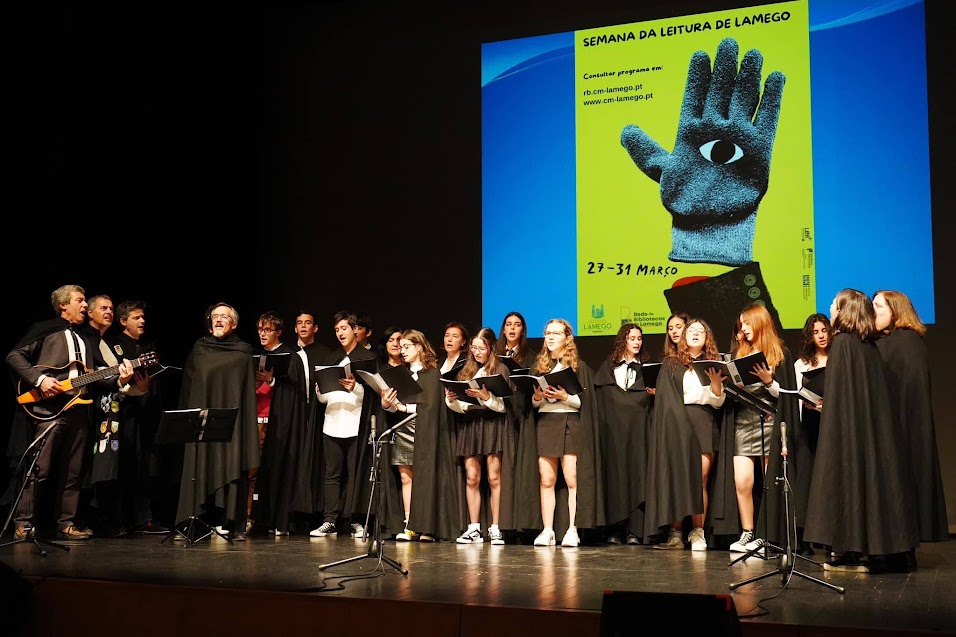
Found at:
<point>220,373</point>
<point>624,419</point>
<point>907,377</point>
<point>286,484</point>
<point>722,513</point>
<point>435,506</point>
<point>673,483</point>
<point>527,492</point>
<point>861,490</point>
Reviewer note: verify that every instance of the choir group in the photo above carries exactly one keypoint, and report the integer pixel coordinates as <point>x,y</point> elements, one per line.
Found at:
<point>640,453</point>
<point>486,440</point>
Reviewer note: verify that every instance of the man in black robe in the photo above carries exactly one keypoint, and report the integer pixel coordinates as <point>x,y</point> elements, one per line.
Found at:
<point>219,373</point>
<point>287,478</point>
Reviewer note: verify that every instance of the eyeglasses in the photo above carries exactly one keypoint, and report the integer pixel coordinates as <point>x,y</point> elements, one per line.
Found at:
<point>224,317</point>
<point>554,333</point>
<point>479,350</point>
<point>696,331</point>
<point>266,330</point>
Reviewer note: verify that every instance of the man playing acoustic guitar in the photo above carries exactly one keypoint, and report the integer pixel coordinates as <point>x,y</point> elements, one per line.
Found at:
<point>52,362</point>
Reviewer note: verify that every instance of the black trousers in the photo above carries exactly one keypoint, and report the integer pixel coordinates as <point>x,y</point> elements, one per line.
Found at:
<point>339,460</point>
<point>60,465</point>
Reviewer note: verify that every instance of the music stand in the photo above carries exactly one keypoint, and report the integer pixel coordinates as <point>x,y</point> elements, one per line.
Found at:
<point>36,447</point>
<point>181,426</point>
<point>376,548</point>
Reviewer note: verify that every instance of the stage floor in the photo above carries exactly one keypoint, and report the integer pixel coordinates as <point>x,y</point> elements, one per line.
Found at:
<point>515,576</point>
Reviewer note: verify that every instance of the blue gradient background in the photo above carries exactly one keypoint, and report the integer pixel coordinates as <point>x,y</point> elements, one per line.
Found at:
<point>872,213</point>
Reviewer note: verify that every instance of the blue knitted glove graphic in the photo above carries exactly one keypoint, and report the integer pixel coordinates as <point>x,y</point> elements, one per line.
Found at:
<point>714,180</point>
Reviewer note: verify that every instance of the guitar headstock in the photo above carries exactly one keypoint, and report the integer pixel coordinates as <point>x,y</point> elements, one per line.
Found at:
<point>149,358</point>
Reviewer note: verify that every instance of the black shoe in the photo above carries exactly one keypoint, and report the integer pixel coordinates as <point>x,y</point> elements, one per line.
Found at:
<point>152,528</point>
<point>805,549</point>
<point>632,539</point>
<point>614,539</point>
<point>847,563</point>
<point>237,536</point>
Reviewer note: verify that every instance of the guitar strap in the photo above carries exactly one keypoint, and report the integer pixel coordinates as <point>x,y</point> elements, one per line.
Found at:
<point>77,353</point>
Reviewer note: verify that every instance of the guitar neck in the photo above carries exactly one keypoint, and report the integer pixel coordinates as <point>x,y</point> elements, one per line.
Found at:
<point>100,374</point>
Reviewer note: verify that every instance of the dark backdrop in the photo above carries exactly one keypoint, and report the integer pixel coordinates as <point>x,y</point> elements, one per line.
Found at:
<point>321,156</point>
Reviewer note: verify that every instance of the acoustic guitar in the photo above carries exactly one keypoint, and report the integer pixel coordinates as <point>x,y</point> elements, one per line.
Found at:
<point>74,387</point>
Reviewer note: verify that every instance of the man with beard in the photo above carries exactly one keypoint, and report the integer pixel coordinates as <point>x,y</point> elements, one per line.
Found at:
<point>219,373</point>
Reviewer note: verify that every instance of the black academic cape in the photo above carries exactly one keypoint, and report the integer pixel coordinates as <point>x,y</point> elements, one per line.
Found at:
<point>590,496</point>
<point>623,419</point>
<point>219,373</point>
<point>802,458</point>
<point>303,415</point>
<point>673,486</point>
<point>861,491</point>
<point>358,489</point>
<point>435,505</point>
<point>275,481</point>
<point>907,375</point>
<point>723,515</point>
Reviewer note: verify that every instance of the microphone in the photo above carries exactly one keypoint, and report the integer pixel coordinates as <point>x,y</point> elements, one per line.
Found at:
<point>372,434</point>
<point>783,439</point>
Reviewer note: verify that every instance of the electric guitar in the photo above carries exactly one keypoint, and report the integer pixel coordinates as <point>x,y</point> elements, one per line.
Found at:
<point>53,406</point>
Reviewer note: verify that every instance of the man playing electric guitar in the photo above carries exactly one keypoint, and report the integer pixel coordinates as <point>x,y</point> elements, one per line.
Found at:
<point>45,360</point>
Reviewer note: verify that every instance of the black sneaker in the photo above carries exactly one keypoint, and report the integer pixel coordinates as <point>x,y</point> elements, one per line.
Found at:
<point>327,528</point>
<point>152,528</point>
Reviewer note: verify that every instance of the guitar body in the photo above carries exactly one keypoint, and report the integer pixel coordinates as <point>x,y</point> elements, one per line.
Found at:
<point>41,408</point>
<point>49,408</point>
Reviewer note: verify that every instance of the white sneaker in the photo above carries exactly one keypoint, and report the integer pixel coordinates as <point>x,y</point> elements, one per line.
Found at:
<point>571,537</point>
<point>358,531</point>
<point>494,534</point>
<point>406,535</point>
<point>278,533</point>
<point>745,543</point>
<point>472,535</point>
<point>697,540</point>
<point>327,528</point>
<point>545,538</point>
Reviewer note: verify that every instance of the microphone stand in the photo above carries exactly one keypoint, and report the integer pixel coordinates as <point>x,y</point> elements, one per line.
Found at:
<point>786,565</point>
<point>32,534</point>
<point>376,548</point>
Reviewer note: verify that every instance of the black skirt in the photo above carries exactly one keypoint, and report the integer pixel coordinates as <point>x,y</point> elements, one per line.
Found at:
<point>557,433</point>
<point>704,421</point>
<point>480,432</point>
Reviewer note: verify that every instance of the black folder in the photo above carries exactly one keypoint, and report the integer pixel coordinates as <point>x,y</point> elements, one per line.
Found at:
<point>738,371</point>
<point>459,387</point>
<point>398,378</point>
<point>496,384</point>
<point>566,378</point>
<point>814,379</point>
<point>277,363</point>
<point>327,377</point>
<point>509,361</point>
<point>649,373</point>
